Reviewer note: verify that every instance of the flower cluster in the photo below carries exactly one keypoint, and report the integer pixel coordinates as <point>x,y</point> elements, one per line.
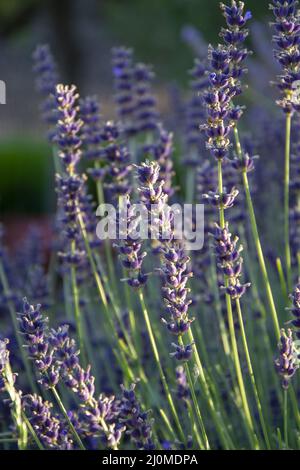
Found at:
<point>130,246</point>
<point>47,78</point>
<point>95,416</point>
<point>295,309</point>
<point>146,115</point>
<point>68,127</point>
<point>137,422</point>
<point>4,356</point>
<point>50,429</point>
<point>122,64</point>
<point>34,328</point>
<point>91,128</point>
<point>182,390</point>
<point>229,260</point>
<point>226,70</point>
<point>195,112</point>
<point>287,363</point>
<point>234,37</point>
<point>117,159</point>
<point>287,54</point>
<point>225,200</point>
<point>174,266</point>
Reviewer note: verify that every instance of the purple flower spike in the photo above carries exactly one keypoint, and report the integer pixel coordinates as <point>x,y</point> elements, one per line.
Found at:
<point>46,80</point>
<point>287,53</point>
<point>287,363</point>
<point>229,261</point>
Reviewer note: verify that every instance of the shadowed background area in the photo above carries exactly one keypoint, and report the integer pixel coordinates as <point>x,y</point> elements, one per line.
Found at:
<point>81,34</point>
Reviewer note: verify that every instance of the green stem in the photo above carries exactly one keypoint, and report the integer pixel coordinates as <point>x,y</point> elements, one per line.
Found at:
<point>257,242</point>
<point>285,418</point>
<point>252,377</point>
<point>32,432</point>
<point>64,412</point>
<point>196,406</point>
<point>260,256</point>
<point>236,359</point>
<point>159,366</point>
<point>286,198</point>
<point>78,317</point>
<point>107,245</point>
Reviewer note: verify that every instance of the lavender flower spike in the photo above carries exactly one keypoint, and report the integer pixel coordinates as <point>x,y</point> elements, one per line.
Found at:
<point>46,80</point>
<point>50,429</point>
<point>288,362</point>
<point>287,54</point>
<point>295,309</point>
<point>34,328</point>
<point>230,260</point>
<point>68,126</point>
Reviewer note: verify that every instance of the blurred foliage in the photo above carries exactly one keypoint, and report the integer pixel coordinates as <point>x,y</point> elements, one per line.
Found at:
<point>26,179</point>
<point>153,28</point>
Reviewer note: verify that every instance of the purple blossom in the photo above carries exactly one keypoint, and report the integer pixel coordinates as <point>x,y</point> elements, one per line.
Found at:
<point>33,327</point>
<point>46,80</point>
<point>50,428</point>
<point>287,363</point>
<point>137,422</point>
<point>229,260</point>
<point>287,54</point>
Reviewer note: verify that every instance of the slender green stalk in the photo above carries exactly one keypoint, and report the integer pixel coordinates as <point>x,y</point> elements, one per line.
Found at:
<point>283,285</point>
<point>252,377</point>
<point>13,317</point>
<point>260,256</point>
<point>257,242</point>
<point>78,316</point>
<point>286,198</point>
<point>107,245</point>
<point>216,415</point>
<point>64,412</point>
<point>196,406</point>
<point>285,418</point>
<point>32,432</point>
<point>250,427</point>
<point>159,366</point>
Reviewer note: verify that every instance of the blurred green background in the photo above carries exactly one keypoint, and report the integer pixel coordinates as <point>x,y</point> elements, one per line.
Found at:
<point>81,34</point>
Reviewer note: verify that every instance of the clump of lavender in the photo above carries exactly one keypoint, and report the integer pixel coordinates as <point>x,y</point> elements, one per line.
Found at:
<point>33,327</point>
<point>137,422</point>
<point>287,363</point>
<point>46,80</point>
<point>95,417</point>
<point>174,267</point>
<point>229,260</point>
<point>295,309</point>
<point>49,427</point>
<point>287,54</point>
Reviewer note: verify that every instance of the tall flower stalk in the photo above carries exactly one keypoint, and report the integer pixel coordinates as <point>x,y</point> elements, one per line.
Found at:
<point>287,54</point>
